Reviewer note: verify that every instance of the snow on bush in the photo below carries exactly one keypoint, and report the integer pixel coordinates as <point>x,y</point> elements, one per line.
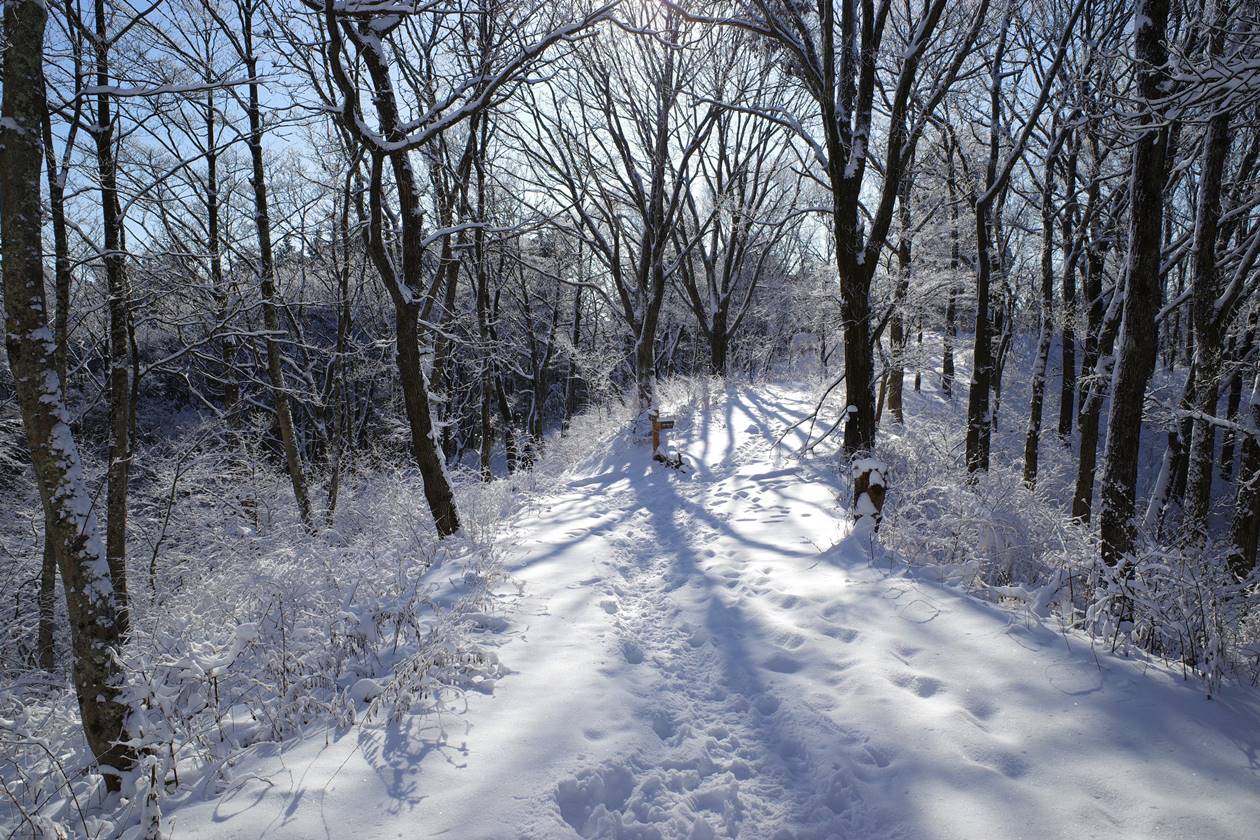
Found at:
<point>248,630</point>
<point>993,535</point>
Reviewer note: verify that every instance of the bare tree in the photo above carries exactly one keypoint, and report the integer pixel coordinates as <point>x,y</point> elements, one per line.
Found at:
<point>834,50</point>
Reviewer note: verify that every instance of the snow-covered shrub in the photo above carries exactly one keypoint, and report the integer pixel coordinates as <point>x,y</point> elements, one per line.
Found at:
<point>1013,544</point>
<point>1177,602</point>
<point>247,628</point>
<point>1013,537</point>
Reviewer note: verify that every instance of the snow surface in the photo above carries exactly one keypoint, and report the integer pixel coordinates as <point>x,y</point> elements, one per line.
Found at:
<point>717,654</point>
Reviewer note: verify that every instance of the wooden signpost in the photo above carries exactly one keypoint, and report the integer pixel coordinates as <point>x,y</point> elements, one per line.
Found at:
<point>659,425</point>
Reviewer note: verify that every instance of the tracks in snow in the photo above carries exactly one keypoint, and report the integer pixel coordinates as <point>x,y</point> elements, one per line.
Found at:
<point>740,754</point>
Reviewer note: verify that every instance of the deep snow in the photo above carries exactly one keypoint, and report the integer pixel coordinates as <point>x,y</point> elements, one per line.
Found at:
<point>718,654</point>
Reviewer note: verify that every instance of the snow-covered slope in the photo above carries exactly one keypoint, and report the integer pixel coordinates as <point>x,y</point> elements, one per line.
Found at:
<point>716,655</point>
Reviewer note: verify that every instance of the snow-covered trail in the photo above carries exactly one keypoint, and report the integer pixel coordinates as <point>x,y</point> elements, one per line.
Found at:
<point>715,655</point>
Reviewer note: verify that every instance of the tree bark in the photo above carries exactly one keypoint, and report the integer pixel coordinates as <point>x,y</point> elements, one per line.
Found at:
<point>424,440</point>
<point>1099,344</point>
<point>1032,438</point>
<point>1245,527</point>
<point>45,646</point>
<point>979,422</point>
<point>1067,383</point>
<point>955,258</point>
<point>897,335</point>
<point>1241,349</point>
<point>267,278</point>
<point>1205,290</point>
<point>120,384</point>
<point>91,598</point>
<point>1136,357</point>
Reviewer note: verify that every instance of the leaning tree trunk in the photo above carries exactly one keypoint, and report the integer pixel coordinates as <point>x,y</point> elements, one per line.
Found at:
<point>1099,344</point>
<point>1136,355</point>
<point>1089,421</point>
<point>402,281</point>
<point>1172,465</point>
<point>91,599</point>
<point>425,446</point>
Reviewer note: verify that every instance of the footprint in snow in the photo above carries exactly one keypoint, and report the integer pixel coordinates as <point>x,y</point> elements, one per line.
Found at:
<point>905,652</point>
<point>1001,761</point>
<point>979,707</point>
<point>782,663</point>
<point>790,641</point>
<point>841,633</point>
<point>918,684</point>
<point>664,726</point>
<point>1074,680</point>
<point>881,757</point>
<point>787,602</point>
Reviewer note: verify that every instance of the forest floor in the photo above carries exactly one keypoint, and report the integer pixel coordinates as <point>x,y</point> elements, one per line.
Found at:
<point>718,654</point>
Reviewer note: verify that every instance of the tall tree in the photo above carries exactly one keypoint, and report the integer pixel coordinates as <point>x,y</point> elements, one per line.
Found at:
<point>119,308</point>
<point>92,600</point>
<point>835,51</point>
<point>987,194</point>
<point>1136,353</point>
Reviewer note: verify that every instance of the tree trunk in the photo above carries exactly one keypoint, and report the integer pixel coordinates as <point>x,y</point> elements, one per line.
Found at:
<point>1032,438</point>
<point>1245,528</point>
<point>45,640</point>
<point>719,342</point>
<point>947,342</point>
<point>955,258</point>
<point>424,440</point>
<point>979,424</point>
<point>267,282</point>
<point>1067,383</point>
<point>1203,303</point>
<point>91,599</point>
<point>1136,356</point>
<point>1099,340</point>
<point>119,469</point>
<point>571,373</point>
<point>218,288</point>
<point>898,338</point>
<point>1170,483</point>
<point>1241,349</point>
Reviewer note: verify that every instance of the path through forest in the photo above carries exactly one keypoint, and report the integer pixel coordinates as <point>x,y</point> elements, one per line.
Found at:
<point>716,655</point>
